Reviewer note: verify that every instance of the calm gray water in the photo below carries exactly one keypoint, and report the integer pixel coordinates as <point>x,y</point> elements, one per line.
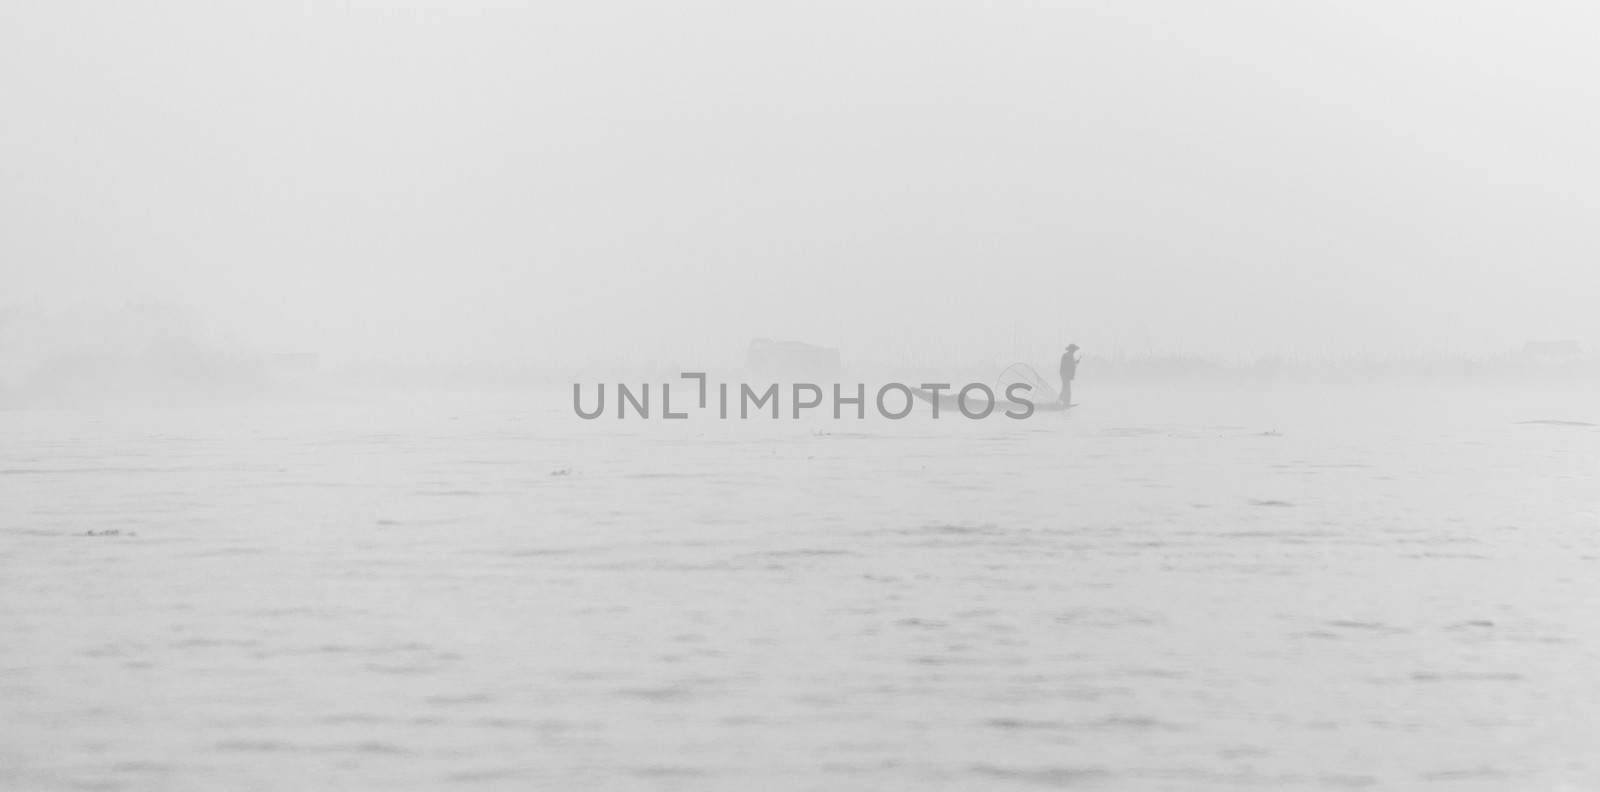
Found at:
<point>1165,589</point>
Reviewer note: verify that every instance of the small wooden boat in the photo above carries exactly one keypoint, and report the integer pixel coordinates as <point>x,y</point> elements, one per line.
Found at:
<point>977,402</point>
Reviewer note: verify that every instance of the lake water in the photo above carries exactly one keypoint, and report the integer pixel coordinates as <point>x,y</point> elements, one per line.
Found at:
<point>1167,588</point>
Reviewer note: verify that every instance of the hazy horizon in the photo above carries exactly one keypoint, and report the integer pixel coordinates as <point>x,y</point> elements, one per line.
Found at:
<point>426,184</point>
<point>343,443</point>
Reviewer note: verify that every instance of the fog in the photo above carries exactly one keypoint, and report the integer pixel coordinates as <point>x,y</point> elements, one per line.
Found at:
<point>792,396</point>
<point>641,182</point>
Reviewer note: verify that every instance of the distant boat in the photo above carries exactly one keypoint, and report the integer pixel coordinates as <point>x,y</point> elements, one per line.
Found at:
<point>977,402</point>
<point>1039,393</point>
<point>791,359</point>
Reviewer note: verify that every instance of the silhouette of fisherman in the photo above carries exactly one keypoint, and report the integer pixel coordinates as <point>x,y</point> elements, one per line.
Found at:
<point>1069,369</point>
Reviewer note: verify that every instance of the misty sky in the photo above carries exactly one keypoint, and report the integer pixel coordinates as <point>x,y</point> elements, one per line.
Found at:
<point>644,181</point>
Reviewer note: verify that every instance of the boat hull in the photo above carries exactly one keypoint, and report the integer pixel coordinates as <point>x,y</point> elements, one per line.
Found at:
<point>976,403</point>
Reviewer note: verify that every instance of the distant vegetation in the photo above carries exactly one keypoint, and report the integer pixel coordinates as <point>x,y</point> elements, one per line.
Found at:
<point>139,352</point>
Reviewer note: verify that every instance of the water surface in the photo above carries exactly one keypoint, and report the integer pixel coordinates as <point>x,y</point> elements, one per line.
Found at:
<point>1164,589</point>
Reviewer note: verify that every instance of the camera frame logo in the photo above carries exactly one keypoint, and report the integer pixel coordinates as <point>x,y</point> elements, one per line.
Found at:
<point>892,400</point>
